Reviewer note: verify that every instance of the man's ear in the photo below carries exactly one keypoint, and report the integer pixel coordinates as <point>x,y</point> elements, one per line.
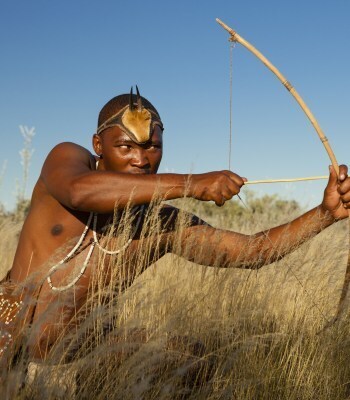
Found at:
<point>97,144</point>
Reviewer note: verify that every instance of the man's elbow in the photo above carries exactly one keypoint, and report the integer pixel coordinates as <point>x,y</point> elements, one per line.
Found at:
<point>76,197</point>
<point>74,201</point>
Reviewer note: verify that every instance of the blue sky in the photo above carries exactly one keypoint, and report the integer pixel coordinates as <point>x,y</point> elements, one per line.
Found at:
<point>61,62</point>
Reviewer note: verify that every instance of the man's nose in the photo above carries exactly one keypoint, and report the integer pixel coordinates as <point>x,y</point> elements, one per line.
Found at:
<point>140,158</point>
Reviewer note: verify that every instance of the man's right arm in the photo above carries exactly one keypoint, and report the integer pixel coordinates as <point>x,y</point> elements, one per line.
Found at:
<point>69,178</point>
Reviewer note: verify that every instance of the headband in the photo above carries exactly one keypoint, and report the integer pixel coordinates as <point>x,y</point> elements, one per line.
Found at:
<point>134,119</point>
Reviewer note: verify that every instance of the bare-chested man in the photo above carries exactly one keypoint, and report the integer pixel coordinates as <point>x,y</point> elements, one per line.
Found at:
<point>128,144</point>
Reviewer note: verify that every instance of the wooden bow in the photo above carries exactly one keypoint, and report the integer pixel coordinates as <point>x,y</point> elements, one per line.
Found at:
<point>235,37</point>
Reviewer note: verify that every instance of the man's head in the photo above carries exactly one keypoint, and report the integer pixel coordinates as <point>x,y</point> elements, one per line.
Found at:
<point>129,135</point>
<point>134,114</point>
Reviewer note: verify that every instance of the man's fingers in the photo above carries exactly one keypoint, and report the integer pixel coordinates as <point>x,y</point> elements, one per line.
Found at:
<point>217,186</point>
<point>231,189</point>
<point>235,178</point>
<point>344,186</point>
<point>343,172</point>
<point>220,201</point>
<point>224,195</point>
<point>346,205</point>
<point>229,192</point>
<point>333,177</point>
<point>345,198</point>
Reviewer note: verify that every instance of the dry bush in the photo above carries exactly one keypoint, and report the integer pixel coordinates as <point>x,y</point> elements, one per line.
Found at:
<point>184,331</point>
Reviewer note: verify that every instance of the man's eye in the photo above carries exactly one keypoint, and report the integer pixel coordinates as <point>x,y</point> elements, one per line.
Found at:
<point>153,147</point>
<point>124,147</point>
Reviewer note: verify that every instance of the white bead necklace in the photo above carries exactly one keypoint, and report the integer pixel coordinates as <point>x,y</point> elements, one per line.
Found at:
<point>126,245</point>
<point>94,242</point>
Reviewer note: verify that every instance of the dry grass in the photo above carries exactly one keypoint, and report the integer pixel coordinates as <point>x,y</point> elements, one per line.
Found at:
<point>186,331</point>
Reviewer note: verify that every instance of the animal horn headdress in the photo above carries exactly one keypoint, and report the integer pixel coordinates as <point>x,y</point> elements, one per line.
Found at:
<point>136,120</point>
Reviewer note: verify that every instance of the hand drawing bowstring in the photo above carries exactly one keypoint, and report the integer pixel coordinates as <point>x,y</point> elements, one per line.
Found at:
<point>236,38</point>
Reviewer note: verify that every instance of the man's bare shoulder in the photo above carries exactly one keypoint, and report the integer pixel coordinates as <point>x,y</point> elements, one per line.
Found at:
<point>69,150</point>
<point>67,158</point>
<point>65,163</point>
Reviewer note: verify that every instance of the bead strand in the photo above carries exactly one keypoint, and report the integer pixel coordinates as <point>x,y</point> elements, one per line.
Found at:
<point>92,217</point>
<point>125,246</point>
<point>7,342</point>
<point>8,309</point>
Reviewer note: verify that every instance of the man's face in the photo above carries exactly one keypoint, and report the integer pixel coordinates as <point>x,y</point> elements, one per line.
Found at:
<point>121,154</point>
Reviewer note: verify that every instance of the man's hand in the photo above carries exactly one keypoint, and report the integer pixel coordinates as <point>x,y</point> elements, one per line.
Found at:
<point>216,186</point>
<point>336,198</point>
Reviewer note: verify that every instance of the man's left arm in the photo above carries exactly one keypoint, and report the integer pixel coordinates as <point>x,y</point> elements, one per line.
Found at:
<point>206,245</point>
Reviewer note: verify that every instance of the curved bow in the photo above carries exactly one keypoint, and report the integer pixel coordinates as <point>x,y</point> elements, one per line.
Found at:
<point>235,37</point>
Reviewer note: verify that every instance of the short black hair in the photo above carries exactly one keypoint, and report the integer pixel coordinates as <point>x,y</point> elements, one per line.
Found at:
<point>117,103</point>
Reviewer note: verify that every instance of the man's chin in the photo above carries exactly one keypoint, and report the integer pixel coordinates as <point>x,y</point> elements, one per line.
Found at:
<point>141,172</point>
<point>135,171</point>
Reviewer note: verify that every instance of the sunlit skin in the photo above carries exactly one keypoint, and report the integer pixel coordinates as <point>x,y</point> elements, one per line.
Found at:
<point>121,154</point>
<point>69,187</point>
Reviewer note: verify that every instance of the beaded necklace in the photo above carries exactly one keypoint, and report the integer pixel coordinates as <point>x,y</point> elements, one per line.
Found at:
<point>94,242</point>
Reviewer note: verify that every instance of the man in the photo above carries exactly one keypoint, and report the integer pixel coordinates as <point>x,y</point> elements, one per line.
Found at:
<point>77,189</point>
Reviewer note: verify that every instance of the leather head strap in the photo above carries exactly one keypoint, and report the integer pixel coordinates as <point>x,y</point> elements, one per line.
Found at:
<point>135,120</point>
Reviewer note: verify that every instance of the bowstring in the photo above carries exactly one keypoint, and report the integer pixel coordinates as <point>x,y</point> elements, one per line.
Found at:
<point>232,45</point>
<point>248,208</point>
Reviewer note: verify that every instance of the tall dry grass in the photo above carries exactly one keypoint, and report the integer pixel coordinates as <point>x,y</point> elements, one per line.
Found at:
<point>184,331</point>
